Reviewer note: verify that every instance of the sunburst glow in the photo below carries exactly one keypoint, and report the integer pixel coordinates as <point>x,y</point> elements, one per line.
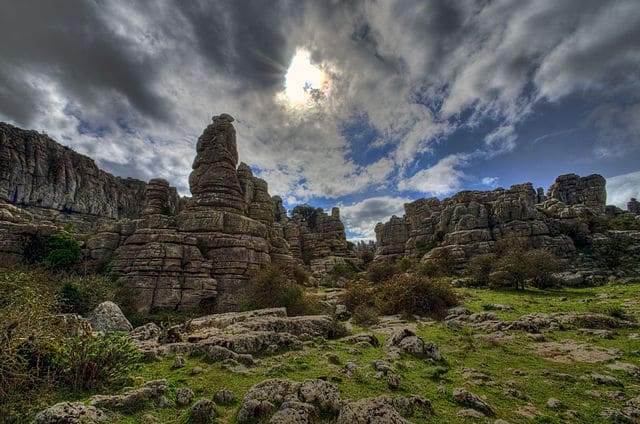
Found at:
<point>305,83</point>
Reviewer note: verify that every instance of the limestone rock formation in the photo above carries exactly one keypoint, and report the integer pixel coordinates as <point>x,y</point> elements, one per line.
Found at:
<point>318,240</point>
<point>37,172</point>
<point>575,190</point>
<point>204,255</point>
<point>470,223</point>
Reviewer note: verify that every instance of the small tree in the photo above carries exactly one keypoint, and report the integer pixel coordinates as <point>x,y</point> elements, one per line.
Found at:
<point>480,267</point>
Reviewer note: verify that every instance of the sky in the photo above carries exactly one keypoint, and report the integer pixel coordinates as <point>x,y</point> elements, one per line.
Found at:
<point>360,104</point>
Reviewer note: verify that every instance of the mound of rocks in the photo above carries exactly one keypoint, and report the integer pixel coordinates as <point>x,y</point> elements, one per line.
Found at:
<point>236,335</point>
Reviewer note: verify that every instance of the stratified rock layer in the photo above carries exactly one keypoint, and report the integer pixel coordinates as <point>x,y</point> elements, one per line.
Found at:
<point>472,222</point>
<point>36,171</point>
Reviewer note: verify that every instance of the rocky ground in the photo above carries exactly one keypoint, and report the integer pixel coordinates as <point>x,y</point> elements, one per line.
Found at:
<point>555,356</point>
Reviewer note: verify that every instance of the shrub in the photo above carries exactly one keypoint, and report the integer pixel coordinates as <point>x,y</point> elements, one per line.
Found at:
<point>440,264</point>
<point>518,267</point>
<point>480,267</point>
<point>365,315</point>
<point>358,293</point>
<point>86,362</point>
<point>344,270</point>
<point>381,270</point>
<point>60,251</point>
<point>412,294</point>
<point>81,294</point>
<point>274,287</point>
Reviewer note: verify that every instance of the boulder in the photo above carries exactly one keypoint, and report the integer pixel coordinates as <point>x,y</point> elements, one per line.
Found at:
<point>71,413</point>
<point>107,317</point>
<point>370,410</point>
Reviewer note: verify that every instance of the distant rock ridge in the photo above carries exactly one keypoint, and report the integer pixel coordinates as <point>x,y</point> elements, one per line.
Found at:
<point>38,173</point>
<point>471,222</point>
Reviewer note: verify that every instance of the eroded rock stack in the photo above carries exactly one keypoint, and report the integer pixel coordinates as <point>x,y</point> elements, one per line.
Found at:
<point>633,206</point>
<point>320,242</point>
<point>203,256</point>
<point>572,189</point>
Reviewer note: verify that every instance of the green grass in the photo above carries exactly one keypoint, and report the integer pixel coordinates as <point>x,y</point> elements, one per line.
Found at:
<point>509,364</point>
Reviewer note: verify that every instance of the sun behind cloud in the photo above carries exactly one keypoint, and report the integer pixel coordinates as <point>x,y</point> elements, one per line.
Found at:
<point>305,83</point>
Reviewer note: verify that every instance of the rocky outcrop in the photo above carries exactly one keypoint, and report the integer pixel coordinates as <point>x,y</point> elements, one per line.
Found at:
<point>203,256</point>
<point>37,172</point>
<point>236,335</point>
<point>572,189</point>
<point>470,223</point>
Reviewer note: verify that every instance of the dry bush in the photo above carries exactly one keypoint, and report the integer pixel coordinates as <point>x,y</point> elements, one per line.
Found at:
<point>412,294</point>
<point>479,269</point>
<point>273,287</point>
<point>519,267</point>
<point>365,315</point>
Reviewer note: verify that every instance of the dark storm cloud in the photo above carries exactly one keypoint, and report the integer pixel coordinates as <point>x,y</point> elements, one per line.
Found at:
<point>70,43</point>
<point>246,39</point>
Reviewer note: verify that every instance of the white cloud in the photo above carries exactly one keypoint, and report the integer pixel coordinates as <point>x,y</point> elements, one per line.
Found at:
<point>618,129</point>
<point>490,181</point>
<point>502,139</point>
<point>361,217</point>
<point>621,188</point>
<point>442,178</point>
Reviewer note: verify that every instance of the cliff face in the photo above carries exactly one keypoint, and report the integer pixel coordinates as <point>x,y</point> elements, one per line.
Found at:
<point>472,222</point>
<point>36,171</point>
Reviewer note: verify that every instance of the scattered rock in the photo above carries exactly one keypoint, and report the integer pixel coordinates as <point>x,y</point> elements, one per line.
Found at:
<point>605,380</point>
<point>71,413</point>
<point>184,396</point>
<point>553,403</point>
<point>370,410</point>
<point>414,345</point>
<point>333,358</point>
<point>179,362</point>
<point>197,370</point>
<point>224,397</point>
<point>203,411</point>
<point>567,351</point>
<point>132,399</point>
<point>393,381</point>
<point>466,398</point>
<point>469,413</point>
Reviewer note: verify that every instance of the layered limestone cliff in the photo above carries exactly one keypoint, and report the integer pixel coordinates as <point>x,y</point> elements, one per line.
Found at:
<point>38,173</point>
<point>472,222</point>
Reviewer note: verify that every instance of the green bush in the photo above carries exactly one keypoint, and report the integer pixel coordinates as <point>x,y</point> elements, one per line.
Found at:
<point>412,294</point>
<point>381,270</point>
<point>479,269</point>
<point>59,252</point>
<point>358,293</point>
<point>440,264</point>
<point>37,351</point>
<point>518,267</point>
<point>87,362</point>
<point>81,294</point>
<point>274,287</point>
<point>365,315</point>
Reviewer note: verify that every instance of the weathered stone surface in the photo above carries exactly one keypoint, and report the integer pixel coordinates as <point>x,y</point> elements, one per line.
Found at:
<point>133,398</point>
<point>71,413</point>
<point>214,181</point>
<point>203,411</point>
<point>466,398</point>
<point>370,410</point>
<point>575,190</point>
<point>414,345</point>
<point>158,194</point>
<point>320,241</point>
<point>37,171</point>
<point>163,268</point>
<point>107,317</point>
